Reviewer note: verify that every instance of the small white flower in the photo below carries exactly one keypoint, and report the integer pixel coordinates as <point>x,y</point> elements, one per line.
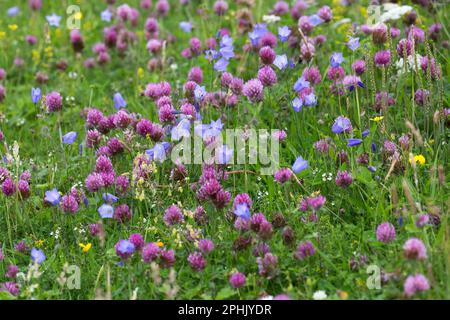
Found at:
<point>410,64</point>
<point>320,295</point>
<point>394,12</point>
<point>271,18</point>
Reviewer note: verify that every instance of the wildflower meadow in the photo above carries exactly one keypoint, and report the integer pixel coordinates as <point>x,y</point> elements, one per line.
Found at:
<point>229,149</point>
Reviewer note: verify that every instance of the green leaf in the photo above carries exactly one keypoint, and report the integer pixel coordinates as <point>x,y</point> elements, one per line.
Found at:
<point>4,295</point>
<point>225,293</point>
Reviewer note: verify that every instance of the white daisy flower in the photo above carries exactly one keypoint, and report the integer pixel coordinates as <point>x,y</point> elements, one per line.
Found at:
<point>271,18</point>
<point>320,295</point>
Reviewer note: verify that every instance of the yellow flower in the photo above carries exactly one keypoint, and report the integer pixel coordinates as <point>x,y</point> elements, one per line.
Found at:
<point>85,247</point>
<point>39,243</point>
<point>363,11</point>
<point>35,55</point>
<point>58,33</point>
<point>360,282</point>
<point>140,196</point>
<point>160,244</point>
<point>78,15</point>
<point>140,73</point>
<point>13,27</point>
<point>338,9</point>
<point>343,28</point>
<point>2,34</point>
<point>48,52</point>
<point>315,193</point>
<point>87,25</point>
<point>377,119</point>
<point>419,158</point>
<point>343,294</point>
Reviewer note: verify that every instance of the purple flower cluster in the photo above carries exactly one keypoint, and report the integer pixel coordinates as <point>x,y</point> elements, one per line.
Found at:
<point>385,232</point>
<point>173,215</point>
<point>237,280</point>
<point>197,261</point>
<point>210,188</point>
<point>304,250</point>
<point>267,265</point>
<point>314,203</point>
<point>10,187</point>
<point>414,249</point>
<point>414,284</point>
